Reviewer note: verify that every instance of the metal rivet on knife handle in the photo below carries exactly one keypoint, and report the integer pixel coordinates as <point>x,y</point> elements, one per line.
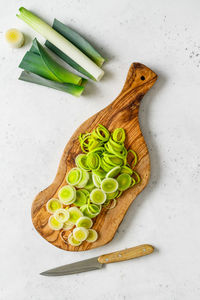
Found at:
<point>126,254</point>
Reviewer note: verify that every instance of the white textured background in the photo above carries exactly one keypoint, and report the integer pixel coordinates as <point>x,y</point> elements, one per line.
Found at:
<point>36,122</point>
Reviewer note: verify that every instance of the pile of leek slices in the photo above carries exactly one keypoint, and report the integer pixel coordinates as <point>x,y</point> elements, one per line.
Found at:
<point>101,175</point>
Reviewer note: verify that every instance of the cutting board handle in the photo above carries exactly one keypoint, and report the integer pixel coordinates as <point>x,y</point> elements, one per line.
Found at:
<point>126,254</point>
<point>138,81</point>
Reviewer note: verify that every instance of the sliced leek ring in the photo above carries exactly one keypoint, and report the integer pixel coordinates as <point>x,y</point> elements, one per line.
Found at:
<point>67,225</point>
<point>92,236</point>
<point>111,196</point>
<point>96,180</point>
<point>54,224</point>
<point>74,214</point>
<point>67,194</point>
<point>84,179</point>
<point>90,184</point>
<point>72,241</point>
<point>74,176</point>
<point>127,170</point>
<point>15,38</point>
<point>109,185</point>
<point>53,204</point>
<point>61,215</point>
<point>114,172</point>
<point>90,210</point>
<point>81,162</point>
<point>124,180</point>
<point>81,198</point>
<point>98,196</point>
<point>85,222</point>
<point>80,234</point>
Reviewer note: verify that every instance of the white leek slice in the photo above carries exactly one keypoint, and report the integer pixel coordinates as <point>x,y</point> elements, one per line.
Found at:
<point>74,176</point>
<point>74,214</point>
<point>84,179</point>
<point>80,234</point>
<point>14,38</point>
<point>68,225</point>
<point>92,236</point>
<point>109,185</point>
<point>60,42</point>
<point>52,205</point>
<point>97,180</point>
<point>54,224</point>
<point>114,172</point>
<point>98,196</point>
<point>61,215</point>
<point>67,194</point>
<point>72,241</point>
<point>84,222</point>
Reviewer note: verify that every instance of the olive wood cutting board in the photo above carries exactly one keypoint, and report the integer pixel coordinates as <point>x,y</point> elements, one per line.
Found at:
<point>122,112</point>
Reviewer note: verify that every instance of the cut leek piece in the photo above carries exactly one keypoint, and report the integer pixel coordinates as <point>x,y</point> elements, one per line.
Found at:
<point>81,43</point>
<point>98,196</point>
<point>84,179</point>
<point>54,224</point>
<point>114,172</point>
<point>38,61</point>
<point>127,170</point>
<point>92,236</point>
<point>81,162</point>
<point>70,88</point>
<point>81,198</point>
<point>97,180</point>
<point>84,222</point>
<point>74,214</point>
<point>67,225</point>
<point>111,196</point>
<point>52,205</point>
<point>90,184</point>
<point>119,135</point>
<point>72,241</point>
<point>90,210</point>
<point>14,38</point>
<point>109,185</point>
<point>60,42</point>
<point>67,194</point>
<point>80,234</point>
<point>74,176</point>
<point>61,215</point>
<point>93,161</point>
<point>124,181</point>
<point>100,172</point>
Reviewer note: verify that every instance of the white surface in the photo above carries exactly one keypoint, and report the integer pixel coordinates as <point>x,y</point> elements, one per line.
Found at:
<point>36,123</point>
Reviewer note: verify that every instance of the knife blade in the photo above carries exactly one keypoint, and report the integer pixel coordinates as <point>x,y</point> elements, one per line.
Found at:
<point>98,262</point>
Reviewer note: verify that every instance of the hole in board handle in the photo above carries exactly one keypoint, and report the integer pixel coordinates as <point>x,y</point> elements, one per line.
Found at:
<point>142,78</point>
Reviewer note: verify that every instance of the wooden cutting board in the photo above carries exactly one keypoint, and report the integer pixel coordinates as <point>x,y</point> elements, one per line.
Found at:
<point>122,112</point>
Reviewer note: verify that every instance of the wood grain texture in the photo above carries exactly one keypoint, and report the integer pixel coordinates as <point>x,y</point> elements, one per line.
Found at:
<point>122,112</point>
<point>126,254</point>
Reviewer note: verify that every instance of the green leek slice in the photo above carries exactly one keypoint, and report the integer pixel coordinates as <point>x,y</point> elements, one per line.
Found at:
<point>90,210</point>
<point>74,176</point>
<point>111,196</point>
<point>98,196</point>
<point>81,198</point>
<point>90,184</point>
<point>61,215</point>
<point>52,205</point>
<point>124,181</point>
<point>67,194</point>
<point>67,225</point>
<point>54,224</point>
<point>84,222</point>
<point>114,172</point>
<point>74,214</point>
<point>127,170</point>
<point>81,162</point>
<point>109,185</point>
<point>119,135</point>
<point>72,89</point>
<point>97,180</point>
<point>92,236</point>
<point>80,234</point>
<point>93,161</point>
<point>84,179</point>
<point>72,241</point>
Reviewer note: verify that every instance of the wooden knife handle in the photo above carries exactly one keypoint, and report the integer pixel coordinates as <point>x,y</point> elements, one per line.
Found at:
<point>126,254</point>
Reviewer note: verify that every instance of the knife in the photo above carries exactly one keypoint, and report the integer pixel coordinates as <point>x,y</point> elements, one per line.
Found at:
<point>98,262</point>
